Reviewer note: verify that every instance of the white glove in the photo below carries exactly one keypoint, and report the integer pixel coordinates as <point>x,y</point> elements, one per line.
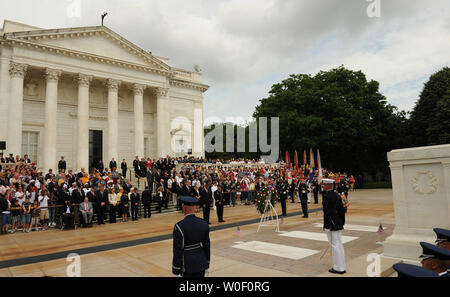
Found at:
<point>179,275</point>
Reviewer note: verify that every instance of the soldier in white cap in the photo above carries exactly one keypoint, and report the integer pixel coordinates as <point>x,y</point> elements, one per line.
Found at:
<point>333,224</point>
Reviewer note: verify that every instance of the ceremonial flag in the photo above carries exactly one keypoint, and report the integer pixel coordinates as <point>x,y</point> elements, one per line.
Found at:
<point>311,156</point>
<point>304,157</point>
<point>288,160</point>
<point>319,165</point>
<point>296,161</point>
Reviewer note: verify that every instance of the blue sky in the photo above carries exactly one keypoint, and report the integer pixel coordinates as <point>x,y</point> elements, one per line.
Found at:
<point>245,46</point>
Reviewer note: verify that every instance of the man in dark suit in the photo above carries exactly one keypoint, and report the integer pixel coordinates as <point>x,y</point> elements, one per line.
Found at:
<point>2,161</point>
<point>62,164</point>
<point>150,180</point>
<point>101,199</point>
<point>147,202</point>
<point>134,199</point>
<point>333,223</point>
<point>112,164</point>
<point>259,185</point>
<point>206,200</point>
<point>164,200</point>
<point>220,201</point>
<point>143,168</point>
<point>91,195</point>
<point>27,159</point>
<point>136,166</point>
<point>124,168</point>
<point>68,214</point>
<point>100,167</point>
<point>158,175</point>
<point>191,243</point>
<point>127,187</point>
<point>77,194</point>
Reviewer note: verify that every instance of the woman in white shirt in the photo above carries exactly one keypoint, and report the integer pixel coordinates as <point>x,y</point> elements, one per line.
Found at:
<point>20,196</point>
<point>112,199</point>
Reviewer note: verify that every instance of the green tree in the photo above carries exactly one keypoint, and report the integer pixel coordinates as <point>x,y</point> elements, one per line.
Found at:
<point>339,112</point>
<point>430,119</point>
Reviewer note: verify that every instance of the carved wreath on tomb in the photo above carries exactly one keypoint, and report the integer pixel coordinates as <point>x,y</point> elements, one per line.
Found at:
<point>432,183</point>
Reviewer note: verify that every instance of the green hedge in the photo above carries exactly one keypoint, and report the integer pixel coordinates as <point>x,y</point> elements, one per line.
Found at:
<point>377,185</point>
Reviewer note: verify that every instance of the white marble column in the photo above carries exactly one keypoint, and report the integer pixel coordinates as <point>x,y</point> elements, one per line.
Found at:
<point>139,120</point>
<point>113,119</point>
<point>83,121</point>
<point>5,62</point>
<point>162,116</point>
<point>51,103</point>
<point>15,108</point>
<point>199,141</point>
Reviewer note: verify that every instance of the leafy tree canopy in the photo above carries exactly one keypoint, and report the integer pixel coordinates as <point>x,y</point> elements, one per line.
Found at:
<point>339,112</point>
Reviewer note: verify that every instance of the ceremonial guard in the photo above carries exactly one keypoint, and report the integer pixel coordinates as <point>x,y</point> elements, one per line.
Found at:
<point>435,258</point>
<point>303,193</point>
<point>315,184</point>
<point>191,244</point>
<point>443,238</point>
<point>342,187</point>
<point>333,224</point>
<point>283,188</point>
<point>408,270</point>
<point>292,190</point>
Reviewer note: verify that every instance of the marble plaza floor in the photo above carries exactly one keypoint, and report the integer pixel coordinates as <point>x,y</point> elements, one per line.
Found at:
<point>144,248</point>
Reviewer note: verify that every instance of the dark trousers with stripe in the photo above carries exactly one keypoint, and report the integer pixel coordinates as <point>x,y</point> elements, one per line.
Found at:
<point>206,211</point>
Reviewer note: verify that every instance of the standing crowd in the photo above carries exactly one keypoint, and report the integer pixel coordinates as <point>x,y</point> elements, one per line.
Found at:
<point>31,200</point>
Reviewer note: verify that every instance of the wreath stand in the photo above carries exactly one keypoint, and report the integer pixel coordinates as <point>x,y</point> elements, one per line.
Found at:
<point>269,216</point>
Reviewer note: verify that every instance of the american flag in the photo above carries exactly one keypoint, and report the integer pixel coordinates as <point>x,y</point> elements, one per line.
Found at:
<point>380,230</point>
<point>238,231</point>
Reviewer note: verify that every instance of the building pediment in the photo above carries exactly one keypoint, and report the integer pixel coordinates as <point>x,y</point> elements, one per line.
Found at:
<point>98,42</point>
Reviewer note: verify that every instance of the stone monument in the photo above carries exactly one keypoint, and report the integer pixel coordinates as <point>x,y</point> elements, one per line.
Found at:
<point>421,188</point>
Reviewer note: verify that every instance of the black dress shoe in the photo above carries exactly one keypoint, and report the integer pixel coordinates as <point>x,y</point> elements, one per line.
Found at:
<point>336,272</point>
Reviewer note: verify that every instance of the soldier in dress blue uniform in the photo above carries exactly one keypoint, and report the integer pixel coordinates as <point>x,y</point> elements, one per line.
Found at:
<point>443,238</point>
<point>191,244</point>
<point>435,258</point>
<point>282,189</point>
<point>408,270</point>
